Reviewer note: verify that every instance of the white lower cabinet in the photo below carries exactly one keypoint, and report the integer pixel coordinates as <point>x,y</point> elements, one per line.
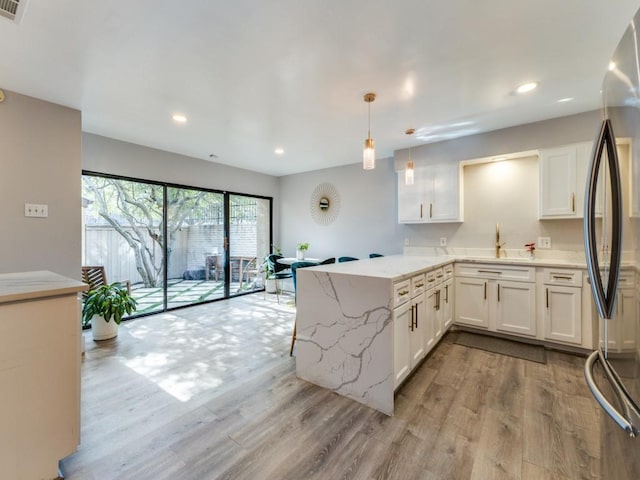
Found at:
<point>472,306</point>
<point>418,318</point>
<point>419,327</point>
<point>563,314</point>
<point>622,330</point>
<point>434,330</point>
<point>563,305</point>
<point>447,303</point>
<point>401,343</point>
<point>496,298</point>
<point>410,327</point>
<point>516,307</point>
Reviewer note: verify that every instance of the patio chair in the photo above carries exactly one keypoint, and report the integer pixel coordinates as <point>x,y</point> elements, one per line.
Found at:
<point>249,271</point>
<point>212,267</point>
<point>95,276</point>
<point>276,271</point>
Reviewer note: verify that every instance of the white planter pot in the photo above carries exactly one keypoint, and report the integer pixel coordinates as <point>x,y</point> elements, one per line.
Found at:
<point>103,330</point>
<point>300,254</point>
<point>270,285</point>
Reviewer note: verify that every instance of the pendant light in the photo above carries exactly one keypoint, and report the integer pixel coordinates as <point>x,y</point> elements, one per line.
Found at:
<point>408,173</point>
<point>369,154</point>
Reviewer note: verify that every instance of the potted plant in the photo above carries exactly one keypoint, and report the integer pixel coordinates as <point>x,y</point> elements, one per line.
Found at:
<point>300,249</point>
<point>106,303</point>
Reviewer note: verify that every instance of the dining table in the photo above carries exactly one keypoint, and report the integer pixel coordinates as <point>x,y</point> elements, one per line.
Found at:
<point>291,260</point>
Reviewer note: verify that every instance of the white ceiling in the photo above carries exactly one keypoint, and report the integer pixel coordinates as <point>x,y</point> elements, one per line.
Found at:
<point>253,75</point>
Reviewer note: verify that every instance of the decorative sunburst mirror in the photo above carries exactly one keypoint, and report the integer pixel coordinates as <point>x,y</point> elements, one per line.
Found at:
<point>325,204</point>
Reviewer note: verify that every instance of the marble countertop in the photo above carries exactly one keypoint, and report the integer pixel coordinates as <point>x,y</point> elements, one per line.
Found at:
<point>397,267</point>
<point>34,285</point>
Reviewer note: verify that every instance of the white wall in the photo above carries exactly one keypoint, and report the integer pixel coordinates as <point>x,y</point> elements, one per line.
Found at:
<point>367,221</point>
<point>40,158</point>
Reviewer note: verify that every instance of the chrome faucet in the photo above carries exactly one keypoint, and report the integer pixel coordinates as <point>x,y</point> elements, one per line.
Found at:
<point>498,244</point>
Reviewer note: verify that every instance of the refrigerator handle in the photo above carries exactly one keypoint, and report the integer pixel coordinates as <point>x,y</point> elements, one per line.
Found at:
<point>619,418</point>
<point>604,300</point>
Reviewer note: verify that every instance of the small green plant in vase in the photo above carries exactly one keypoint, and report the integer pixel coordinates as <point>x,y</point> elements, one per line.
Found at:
<point>301,249</point>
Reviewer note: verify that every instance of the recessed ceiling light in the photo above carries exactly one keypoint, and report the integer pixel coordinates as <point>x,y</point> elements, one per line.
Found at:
<point>563,100</point>
<point>612,66</point>
<point>179,118</point>
<point>279,151</point>
<point>527,87</point>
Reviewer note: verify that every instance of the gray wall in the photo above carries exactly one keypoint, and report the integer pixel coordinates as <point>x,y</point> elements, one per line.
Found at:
<point>488,200</point>
<point>368,217</point>
<point>40,160</point>
<point>106,155</point>
<point>367,221</point>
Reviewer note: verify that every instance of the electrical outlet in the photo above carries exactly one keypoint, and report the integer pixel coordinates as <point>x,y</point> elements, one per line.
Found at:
<point>35,210</point>
<point>443,241</point>
<point>544,242</point>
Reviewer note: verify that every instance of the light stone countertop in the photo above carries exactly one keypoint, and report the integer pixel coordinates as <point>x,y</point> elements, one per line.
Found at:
<point>32,285</point>
<point>398,267</point>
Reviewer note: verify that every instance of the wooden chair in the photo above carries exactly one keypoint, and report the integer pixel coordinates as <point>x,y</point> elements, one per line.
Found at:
<point>95,276</point>
<point>212,267</point>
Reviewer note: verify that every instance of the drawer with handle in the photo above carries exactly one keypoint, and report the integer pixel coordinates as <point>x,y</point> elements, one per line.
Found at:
<point>401,293</point>
<point>562,276</point>
<point>434,277</point>
<point>492,271</point>
<point>418,284</point>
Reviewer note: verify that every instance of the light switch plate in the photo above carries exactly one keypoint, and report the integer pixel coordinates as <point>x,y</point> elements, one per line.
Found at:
<point>36,210</point>
<point>443,241</point>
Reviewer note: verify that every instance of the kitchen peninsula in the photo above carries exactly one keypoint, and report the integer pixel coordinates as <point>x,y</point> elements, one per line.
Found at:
<point>363,326</point>
<point>39,372</point>
<point>345,322</point>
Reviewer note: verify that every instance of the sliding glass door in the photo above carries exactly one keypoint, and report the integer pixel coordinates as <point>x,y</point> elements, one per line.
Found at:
<point>124,233</point>
<point>249,239</point>
<point>195,247</point>
<point>176,245</point>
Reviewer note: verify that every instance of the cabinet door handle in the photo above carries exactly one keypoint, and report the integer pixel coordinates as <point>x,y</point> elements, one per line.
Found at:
<point>446,293</point>
<point>411,322</point>
<point>495,272</point>
<point>561,277</point>
<point>573,202</point>
<point>547,298</point>
<point>421,209</point>
<point>438,300</point>
<point>416,307</point>
<point>485,290</point>
<point>431,210</point>
<point>498,292</point>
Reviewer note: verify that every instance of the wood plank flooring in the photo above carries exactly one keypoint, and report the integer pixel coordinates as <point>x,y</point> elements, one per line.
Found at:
<point>210,392</point>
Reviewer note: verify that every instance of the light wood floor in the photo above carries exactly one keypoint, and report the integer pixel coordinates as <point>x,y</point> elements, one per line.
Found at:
<point>210,392</point>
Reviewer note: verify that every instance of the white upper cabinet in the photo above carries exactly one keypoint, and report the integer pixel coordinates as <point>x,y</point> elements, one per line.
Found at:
<point>434,197</point>
<point>563,175</point>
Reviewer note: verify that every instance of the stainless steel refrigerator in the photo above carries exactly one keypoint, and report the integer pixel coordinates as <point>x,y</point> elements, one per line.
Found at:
<point>612,247</point>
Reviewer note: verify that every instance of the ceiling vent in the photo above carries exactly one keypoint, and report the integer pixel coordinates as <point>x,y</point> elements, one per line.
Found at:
<point>12,9</point>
